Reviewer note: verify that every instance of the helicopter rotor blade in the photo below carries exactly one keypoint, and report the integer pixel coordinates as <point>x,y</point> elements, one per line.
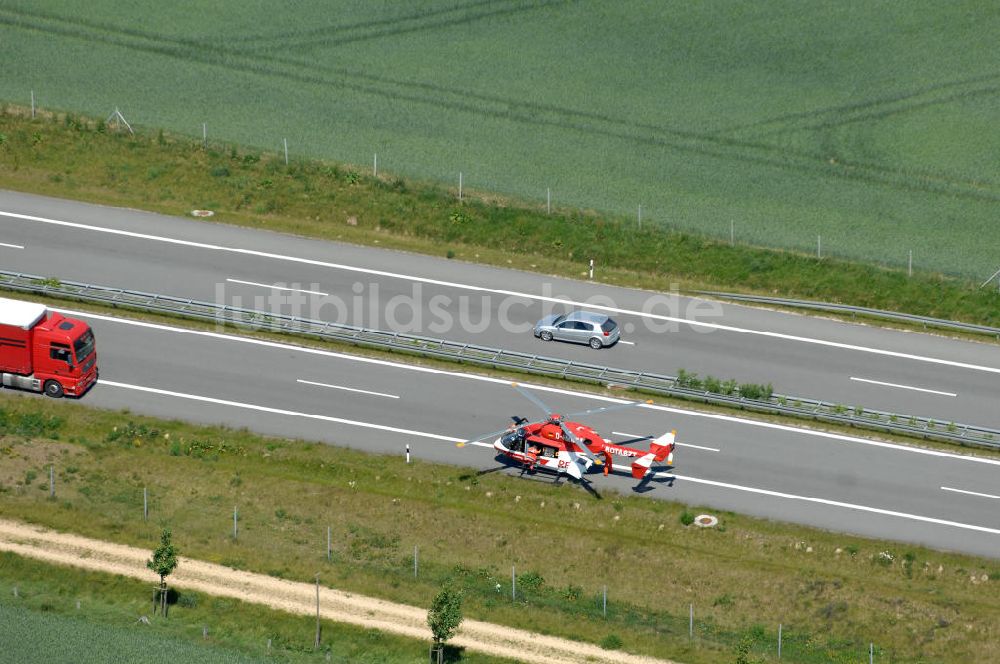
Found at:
<point>533,399</point>
<point>604,409</point>
<point>483,437</point>
<point>584,450</point>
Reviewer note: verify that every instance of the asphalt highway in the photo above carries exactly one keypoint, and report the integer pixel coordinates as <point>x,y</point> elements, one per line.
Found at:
<point>842,483</point>
<point>805,356</point>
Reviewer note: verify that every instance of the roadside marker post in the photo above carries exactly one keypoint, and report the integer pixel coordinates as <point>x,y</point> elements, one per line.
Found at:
<point>286,151</point>
<point>32,104</point>
<point>52,482</point>
<point>145,504</point>
<point>329,543</point>
<point>591,269</point>
<point>407,453</point>
<point>317,611</point>
<point>779,640</point>
<point>513,583</point>
<point>414,562</point>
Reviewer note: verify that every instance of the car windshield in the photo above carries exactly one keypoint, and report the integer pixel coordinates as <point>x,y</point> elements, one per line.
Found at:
<point>558,320</point>
<point>84,346</point>
<point>609,325</point>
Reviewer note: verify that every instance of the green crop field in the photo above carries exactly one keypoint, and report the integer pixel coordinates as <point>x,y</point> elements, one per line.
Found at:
<point>74,640</point>
<point>63,614</point>
<point>868,124</point>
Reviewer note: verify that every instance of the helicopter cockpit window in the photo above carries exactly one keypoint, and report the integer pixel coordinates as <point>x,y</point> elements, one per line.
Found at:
<point>514,441</point>
<point>549,451</point>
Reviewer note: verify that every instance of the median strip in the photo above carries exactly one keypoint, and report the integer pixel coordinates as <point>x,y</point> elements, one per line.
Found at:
<point>672,386</point>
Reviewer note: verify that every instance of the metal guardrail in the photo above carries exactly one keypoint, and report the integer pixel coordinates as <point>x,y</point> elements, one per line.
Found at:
<point>929,428</point>
<point>864,311</point>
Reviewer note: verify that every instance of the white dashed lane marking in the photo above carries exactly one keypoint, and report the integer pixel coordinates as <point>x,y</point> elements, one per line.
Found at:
<point>903,387</point>
<point>346,389</point>
<point>970,493</point>
<point>274,287</point>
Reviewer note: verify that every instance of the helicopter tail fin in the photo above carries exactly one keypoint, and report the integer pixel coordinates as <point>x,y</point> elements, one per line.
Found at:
<point>660,450</point>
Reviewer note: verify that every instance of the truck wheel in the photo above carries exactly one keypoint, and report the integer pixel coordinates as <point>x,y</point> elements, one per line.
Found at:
<point>596,344</point>
<point>53,389</point>
<point>546,335</point>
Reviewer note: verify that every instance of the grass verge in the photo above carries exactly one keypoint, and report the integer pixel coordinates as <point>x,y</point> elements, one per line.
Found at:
<point>833,593</point>
<point>75,157</point>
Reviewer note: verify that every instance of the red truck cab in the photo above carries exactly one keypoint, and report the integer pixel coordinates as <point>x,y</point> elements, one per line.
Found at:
<point>45,351</point>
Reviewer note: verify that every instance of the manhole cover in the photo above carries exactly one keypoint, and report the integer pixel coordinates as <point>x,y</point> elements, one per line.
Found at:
<point>201,213</point>
<point>705,521</point>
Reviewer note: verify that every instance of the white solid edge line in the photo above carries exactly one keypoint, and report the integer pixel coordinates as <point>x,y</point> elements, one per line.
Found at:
<point>11,246</point>
<point>822,501</point>
<point>630,343</point>
<point>423,434</point>
<point>347,389</point>
<point>273,287</point>
<point>697,447</point>
<point>903,387</point>
<point>540,388</point>
<point>277,411</point>
<point>971,493</point>
<point>498,291</point>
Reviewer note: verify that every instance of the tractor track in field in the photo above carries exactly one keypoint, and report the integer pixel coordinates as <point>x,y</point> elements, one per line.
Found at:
<point>40,543</point>
<point>725,144</point>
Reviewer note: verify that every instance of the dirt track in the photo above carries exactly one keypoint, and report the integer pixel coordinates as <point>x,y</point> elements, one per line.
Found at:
<point>64,549</point>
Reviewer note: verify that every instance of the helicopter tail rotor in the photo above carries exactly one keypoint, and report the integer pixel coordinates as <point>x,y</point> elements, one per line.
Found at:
<point>662,448</point>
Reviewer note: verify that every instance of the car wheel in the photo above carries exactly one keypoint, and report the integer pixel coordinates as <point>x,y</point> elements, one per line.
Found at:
<point>595,343</point>
<point>546,335</point>
<point>53,389</point>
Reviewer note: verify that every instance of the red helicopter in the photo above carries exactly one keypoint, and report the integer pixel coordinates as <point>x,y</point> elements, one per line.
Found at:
<point>559,445</point>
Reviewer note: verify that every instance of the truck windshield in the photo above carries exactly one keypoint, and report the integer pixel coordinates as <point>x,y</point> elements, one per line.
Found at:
<point>84,346</point>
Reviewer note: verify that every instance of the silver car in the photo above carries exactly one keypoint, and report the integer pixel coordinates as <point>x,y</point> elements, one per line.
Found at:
<point>582,327</point>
